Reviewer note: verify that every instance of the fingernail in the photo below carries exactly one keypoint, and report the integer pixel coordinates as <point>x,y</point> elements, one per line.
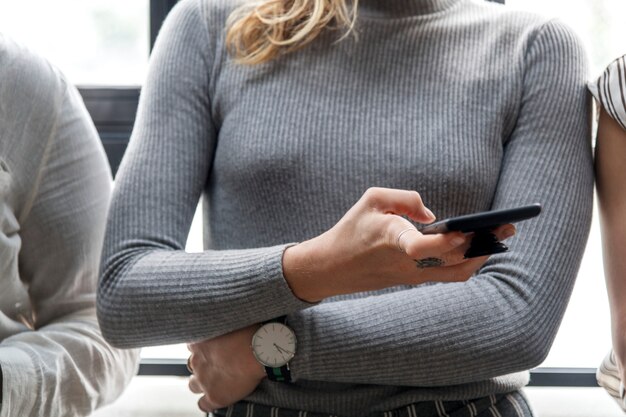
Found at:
<point>429,213</point>
<point>508,232</point>
<point>457,241</point>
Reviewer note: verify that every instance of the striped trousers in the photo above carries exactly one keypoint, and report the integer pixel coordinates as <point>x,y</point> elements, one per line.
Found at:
<point>513,404</point>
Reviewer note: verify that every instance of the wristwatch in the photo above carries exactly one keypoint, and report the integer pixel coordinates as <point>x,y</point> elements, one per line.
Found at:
<point>274,345</point>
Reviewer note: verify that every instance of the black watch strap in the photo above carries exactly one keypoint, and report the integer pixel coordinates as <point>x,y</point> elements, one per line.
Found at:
<point>281,374</point>
<point>281,320</point>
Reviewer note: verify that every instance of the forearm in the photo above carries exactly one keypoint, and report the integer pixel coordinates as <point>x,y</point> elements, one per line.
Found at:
<point>613,249</point>
<point>497,323</point>
<point>610,177</point>
<point>506,317</point>
<point>68,364</point>
<point>200,295</point>
<point>64,358</point>
<point>503,320</point>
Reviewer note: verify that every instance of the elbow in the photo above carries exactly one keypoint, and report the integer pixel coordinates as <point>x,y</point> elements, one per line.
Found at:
<point>112,328</point>
<point>113,319</point>
<point>118,335</point>
<point>119,322</point>
<point>535,355</point>
<point>529,346</point>
<point>118,325</point>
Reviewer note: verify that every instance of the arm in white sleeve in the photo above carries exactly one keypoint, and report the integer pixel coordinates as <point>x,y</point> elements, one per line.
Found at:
<point>59,365</point>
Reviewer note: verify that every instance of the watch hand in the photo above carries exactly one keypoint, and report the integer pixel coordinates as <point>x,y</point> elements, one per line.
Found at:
<point>280,350</point>
<point>283,350</point>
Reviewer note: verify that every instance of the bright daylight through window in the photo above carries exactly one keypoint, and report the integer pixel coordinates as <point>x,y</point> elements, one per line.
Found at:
<point>95,42</point>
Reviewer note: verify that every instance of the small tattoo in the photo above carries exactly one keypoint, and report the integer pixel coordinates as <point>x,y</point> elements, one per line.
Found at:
<point>429,263</point>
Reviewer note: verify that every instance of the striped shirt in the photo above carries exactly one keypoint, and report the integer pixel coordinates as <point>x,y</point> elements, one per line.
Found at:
<point>501,405</point>
<point>610,90</point>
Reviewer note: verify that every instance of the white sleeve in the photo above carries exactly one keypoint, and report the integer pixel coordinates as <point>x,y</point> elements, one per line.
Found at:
<point>59,364</point>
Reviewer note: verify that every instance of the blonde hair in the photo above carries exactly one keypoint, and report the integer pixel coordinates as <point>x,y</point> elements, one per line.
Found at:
<point>258,32</point>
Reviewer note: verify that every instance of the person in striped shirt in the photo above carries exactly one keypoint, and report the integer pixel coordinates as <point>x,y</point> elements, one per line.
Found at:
<point>609,91</point>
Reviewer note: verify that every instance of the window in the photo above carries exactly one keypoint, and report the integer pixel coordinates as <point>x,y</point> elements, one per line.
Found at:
<point>599,24</point>
<point>96,42</point>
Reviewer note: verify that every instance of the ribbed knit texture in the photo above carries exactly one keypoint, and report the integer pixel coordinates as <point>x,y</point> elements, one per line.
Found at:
<point>474,106</point>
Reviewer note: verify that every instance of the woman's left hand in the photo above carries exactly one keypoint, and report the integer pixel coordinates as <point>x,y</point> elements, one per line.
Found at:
<point>224,369</point>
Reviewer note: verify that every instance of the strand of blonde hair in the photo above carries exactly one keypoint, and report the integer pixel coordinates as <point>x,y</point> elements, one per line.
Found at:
<point>260,31</point>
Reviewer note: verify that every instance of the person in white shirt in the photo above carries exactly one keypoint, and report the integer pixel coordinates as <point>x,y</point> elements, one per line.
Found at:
<point>55,186</point>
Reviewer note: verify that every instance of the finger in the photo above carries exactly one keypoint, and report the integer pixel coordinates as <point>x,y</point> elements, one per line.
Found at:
<point>205,405</point>
<point>208,405</point>
<point>457,254</point>
<point>504,232</point>
<point>188,364</point>
<point>195,386</point>
<point>401,202</point>
<point>419,246</point>
<point>196,362</point>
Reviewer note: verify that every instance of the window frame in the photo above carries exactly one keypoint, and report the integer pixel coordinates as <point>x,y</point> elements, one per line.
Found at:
<point>113,111</point>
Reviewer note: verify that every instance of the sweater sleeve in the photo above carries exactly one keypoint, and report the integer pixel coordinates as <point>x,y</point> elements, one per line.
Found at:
<point>505,318</point>
<point>151,291</point>
<point>58,364</point>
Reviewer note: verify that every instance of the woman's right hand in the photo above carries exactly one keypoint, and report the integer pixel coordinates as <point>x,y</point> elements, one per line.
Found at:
<point>373,247</point>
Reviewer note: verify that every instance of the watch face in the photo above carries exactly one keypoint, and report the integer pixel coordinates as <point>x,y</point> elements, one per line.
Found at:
<point>274,345</point>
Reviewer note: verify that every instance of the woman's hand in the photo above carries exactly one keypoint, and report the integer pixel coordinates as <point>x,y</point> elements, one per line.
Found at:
<point>373,247</point>
<point>224,369</point>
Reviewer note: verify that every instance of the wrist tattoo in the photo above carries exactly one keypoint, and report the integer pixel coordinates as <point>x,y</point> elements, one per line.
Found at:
<point>429,263</point>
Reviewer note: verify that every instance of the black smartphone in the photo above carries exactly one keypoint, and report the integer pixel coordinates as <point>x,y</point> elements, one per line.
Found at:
<point>481,224</point>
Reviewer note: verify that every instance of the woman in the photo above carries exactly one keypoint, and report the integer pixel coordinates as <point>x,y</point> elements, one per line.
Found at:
<point>610,174</point>
<point>472,105</point>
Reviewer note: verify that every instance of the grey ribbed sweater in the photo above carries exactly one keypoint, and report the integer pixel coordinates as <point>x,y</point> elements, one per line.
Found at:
<point>472,105</point>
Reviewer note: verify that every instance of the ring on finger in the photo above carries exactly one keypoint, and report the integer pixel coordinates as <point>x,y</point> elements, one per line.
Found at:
<point>429,263</point>
<point>189,365</point>
<point>400,235</point>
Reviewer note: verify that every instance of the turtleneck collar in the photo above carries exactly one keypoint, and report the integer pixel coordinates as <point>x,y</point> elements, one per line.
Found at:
<point>403,8</point>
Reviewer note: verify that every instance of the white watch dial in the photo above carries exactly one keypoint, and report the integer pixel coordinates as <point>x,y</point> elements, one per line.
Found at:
<point>274,345</point>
